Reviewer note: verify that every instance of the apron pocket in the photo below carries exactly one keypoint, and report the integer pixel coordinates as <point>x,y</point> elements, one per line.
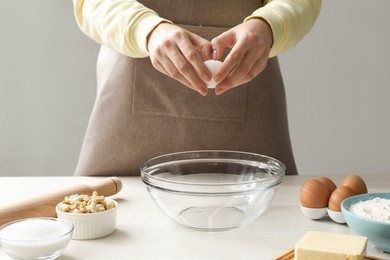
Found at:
<point>159,95</point>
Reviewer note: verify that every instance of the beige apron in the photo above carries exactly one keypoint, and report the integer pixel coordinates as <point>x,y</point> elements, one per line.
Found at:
<point>140,113</point>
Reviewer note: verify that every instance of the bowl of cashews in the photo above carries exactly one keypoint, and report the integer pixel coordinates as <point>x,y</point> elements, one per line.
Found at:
<point>92,216</point>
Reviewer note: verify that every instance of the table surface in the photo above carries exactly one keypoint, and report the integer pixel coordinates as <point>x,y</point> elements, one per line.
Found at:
<point>144,232</point>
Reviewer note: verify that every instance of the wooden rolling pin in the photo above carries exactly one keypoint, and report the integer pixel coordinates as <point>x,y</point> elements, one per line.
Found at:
<point>44,205</point>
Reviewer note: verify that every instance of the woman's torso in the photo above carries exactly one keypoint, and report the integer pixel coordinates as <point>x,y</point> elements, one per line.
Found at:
<point>141,113</point>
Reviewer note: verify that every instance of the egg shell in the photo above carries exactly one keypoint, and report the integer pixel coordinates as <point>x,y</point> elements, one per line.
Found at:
<point>339,194</point>
<point>213,66</point>
<point>329,183</point>
<point>314,194</point>
<point>356,183</point>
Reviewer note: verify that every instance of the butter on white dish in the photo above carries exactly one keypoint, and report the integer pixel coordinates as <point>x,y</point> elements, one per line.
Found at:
<point>324,245</point>
<point>213,66</point>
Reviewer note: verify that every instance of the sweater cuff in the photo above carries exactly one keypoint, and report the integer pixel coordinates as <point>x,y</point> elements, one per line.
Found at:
<point>142,28</point>
<point>276,21</point>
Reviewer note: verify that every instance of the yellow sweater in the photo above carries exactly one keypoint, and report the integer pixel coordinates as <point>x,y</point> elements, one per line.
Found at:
<point>124,25</point>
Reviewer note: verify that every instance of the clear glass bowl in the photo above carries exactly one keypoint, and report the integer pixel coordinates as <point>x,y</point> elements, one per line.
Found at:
<point>35,238</point>
<point>212,190</point>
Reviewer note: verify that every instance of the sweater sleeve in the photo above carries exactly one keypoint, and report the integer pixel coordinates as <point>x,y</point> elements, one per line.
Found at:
<point>124,25</point>
<point>290,21</point>
<point>121,25</point>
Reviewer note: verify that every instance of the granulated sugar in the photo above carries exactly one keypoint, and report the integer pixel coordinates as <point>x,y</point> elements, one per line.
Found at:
<point>35,238</point>
<point>377,209</point>
<point>34,230</point>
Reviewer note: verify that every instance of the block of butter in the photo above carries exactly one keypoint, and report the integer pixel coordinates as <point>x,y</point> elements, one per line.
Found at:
<point>323,245</point>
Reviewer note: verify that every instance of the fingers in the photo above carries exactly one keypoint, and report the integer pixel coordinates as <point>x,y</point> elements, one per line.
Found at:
<point>202,45</point>
<point>228,40</point>
<point>220,43</point>
<point>169,69</point>
<point>231,82</point>
<point>178,54</point>
<point>250,45</point>
<point>190,50</point>
<point>244,67</point>
<point>207,52</point>
<point>181,54</point>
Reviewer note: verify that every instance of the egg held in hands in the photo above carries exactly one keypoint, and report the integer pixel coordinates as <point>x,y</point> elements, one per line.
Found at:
<point>213,66</point>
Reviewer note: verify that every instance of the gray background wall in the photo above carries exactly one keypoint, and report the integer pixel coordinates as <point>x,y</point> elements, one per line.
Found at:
<point>336,81</point>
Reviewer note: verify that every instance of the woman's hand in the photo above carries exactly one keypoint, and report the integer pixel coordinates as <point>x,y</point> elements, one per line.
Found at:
<point>178,54</point>
<point>250,44</point>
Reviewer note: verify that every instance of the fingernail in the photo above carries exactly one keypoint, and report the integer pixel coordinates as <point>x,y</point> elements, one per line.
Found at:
<point>217,79</point>
<point>214,54</point>
<point>207,77</point>
<point>203,91</point>
<point>219,91</point>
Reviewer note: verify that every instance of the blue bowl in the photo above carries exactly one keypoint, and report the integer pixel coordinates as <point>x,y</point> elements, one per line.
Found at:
<point>378,233</point>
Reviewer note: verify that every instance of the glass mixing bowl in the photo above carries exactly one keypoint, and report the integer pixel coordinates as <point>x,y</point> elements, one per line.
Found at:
<point>212,190</point>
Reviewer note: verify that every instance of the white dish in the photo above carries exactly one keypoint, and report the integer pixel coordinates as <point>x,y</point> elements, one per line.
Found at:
<point>91,225</point>
<point>336,216</point>
<point>313,213</point>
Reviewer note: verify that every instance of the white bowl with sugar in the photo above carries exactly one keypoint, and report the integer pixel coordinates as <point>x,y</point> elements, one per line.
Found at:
<point>35,238</point>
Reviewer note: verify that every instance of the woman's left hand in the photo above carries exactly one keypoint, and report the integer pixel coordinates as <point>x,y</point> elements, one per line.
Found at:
<point>250,44</point>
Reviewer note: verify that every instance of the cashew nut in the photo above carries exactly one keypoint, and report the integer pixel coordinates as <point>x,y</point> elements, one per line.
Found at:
<point>81,203</point>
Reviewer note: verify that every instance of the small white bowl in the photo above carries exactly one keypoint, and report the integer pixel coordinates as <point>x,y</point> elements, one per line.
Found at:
<point>91,225</point>
<point>35,238</point>
<point>336,216</point>
<point>313,213</point>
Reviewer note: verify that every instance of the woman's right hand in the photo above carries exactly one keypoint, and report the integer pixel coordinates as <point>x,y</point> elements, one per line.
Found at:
<point>178,53</point>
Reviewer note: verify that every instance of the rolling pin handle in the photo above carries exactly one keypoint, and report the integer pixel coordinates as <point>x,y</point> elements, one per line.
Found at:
<point>107,187</point>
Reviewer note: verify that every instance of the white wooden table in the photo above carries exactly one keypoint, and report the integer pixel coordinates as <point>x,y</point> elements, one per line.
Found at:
<point>143,232</point>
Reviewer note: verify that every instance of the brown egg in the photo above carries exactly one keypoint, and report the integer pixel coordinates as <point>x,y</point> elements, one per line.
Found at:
<point>328,182</point>
<point>356,183</point>
<point>314,194</point>
<point>339,194</point>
